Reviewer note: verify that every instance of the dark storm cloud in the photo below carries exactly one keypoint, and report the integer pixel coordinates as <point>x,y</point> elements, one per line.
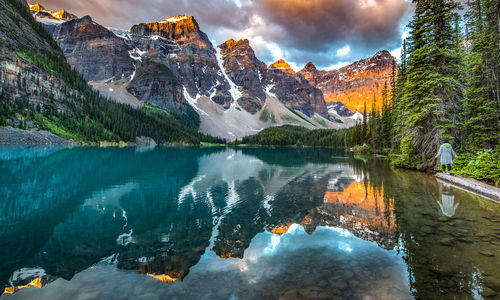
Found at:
<point>315,24</point>
<point>304,30</point>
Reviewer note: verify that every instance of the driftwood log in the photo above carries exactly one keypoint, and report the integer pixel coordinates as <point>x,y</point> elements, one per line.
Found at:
<point>471,185</point>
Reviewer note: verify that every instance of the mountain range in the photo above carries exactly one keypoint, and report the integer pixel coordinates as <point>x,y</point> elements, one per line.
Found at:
<point>177,85</point>
<point>172,64</point>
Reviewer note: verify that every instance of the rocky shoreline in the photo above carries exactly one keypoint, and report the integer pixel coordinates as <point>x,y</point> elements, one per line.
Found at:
<point>15,136</point>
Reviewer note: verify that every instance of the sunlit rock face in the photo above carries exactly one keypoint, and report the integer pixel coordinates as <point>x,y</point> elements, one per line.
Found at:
<point>283,66</point>
<point>181,29</point>
<point>355,84</point>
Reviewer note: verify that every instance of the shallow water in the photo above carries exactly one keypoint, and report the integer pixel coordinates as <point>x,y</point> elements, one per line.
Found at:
<point>220,223</point>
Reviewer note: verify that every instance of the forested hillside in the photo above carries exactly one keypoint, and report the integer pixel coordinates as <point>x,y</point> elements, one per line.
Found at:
<point>40,89</point>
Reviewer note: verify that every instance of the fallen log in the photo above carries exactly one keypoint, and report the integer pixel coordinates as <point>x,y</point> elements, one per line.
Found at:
<point>472,185</point>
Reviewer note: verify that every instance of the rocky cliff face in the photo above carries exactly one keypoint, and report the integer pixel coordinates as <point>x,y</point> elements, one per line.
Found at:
<point>246,71</point>
<point>294,90</point>
<point>156,84</point>
<point>355,84</point>
<point>23,82</point>
<point>94,51</point>
<point>178,43</point>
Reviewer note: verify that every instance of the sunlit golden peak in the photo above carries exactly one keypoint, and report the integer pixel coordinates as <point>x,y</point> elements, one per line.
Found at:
<point>283,66</point>
<point>231,42</point>
<point>37,7</point>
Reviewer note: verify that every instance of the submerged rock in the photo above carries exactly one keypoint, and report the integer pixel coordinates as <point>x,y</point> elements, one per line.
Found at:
<point>488,293</point>
<point>486,253</point>
<point>447,241</point>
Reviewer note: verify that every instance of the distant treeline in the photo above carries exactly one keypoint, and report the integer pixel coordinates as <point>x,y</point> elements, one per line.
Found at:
<point>288,135</point>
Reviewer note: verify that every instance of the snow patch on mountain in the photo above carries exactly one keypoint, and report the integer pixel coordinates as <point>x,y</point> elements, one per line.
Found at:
<point>174,19</point>
<point>136,54</point>
<point>235,92</point>
<point>268,91</point>
<point>123,34</point>
<point>192,101</point>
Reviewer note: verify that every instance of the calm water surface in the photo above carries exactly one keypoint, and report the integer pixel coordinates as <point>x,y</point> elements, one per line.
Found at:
<point>174,223</point>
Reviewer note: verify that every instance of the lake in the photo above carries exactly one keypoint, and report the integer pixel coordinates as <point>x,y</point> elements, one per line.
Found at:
<point>245,223</point>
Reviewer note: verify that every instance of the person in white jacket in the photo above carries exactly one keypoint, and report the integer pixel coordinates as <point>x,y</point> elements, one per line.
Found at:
<point>446,153</point>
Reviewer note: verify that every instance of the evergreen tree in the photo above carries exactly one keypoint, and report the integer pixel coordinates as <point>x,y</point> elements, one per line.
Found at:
<point>430,103</point>
<point>482,101</point>
<point>386,119</point>
<point>364,127</point>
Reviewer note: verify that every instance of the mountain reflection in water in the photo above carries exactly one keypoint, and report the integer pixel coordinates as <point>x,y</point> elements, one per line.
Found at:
<point>244,223</point>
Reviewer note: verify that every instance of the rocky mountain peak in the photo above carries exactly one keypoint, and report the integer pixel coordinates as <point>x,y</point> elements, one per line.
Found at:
<point>231,43</point>
<point>63,15</point>
<point>383,54</point>
<point>283,66</point>
<point>60,15</point>
<point>310,73</point>
<point>241,47</point>
<point>181,29</point>
<point>310,67</point>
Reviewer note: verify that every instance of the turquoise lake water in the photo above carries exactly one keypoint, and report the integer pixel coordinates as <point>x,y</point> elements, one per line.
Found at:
<point>245,223</point>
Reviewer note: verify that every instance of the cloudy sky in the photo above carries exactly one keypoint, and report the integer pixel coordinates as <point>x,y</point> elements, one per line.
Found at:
<point>330,33</point>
